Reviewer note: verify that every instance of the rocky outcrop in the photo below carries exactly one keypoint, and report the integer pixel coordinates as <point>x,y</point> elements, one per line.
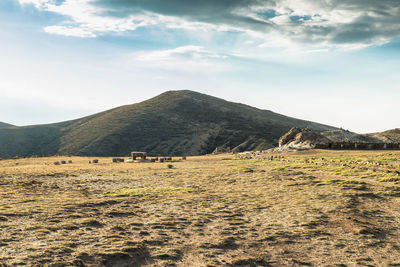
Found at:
<point>300,139</point>
<point>289,136</point>
<point>221,150</point>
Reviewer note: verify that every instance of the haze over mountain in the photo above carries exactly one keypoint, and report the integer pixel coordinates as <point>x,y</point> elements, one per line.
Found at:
<point>173,123</point>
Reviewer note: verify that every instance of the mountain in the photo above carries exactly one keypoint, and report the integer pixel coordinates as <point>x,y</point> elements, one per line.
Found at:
<point>5,125</point>
<point>390,136</point>
<point>173,123</point>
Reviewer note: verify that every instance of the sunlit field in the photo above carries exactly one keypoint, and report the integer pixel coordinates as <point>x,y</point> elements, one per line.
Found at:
<point>311,208</point>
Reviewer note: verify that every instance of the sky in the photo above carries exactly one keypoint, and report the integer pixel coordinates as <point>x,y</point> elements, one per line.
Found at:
<point>330,61</point>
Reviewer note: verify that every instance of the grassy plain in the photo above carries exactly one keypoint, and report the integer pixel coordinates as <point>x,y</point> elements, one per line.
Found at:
<point>311,208</point>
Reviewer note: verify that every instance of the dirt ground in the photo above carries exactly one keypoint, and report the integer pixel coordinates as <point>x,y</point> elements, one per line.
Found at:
<point>312,208</point>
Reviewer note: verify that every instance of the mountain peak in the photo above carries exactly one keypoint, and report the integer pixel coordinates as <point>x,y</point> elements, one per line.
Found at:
<point>174,95</point>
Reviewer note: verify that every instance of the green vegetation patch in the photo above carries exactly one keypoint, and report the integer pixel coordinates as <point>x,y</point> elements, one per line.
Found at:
<point>172,254</point>
<point>393,191</point>
<point>247,170</point>
<point>390,178</point>
<point>151,191</point>
<point>292,171</point>
<point>306,176</point>
<point>348,184</point>
<point>287,170</point>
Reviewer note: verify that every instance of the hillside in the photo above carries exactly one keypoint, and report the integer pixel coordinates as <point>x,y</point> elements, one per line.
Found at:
<point>390,136</point>
<point>173,123</point>
<point>4,125</point>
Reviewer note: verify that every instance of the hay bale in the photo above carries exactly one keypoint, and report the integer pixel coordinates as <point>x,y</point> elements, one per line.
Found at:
<point>95,161</point>
<point>56,163</point>
<point>63,162</point>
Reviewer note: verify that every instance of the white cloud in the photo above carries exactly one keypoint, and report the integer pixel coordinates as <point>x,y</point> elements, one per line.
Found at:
<point>69,31</point>
<point>189,58</point>
<point>86,19</point>
<point>187,52</point>
<point>294,24</point>
<point>39,4</point>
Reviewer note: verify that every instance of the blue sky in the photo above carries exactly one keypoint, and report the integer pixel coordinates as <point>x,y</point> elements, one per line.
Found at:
<point>328,61</point>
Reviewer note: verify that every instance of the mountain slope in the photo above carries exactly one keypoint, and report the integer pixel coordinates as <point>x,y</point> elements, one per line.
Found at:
<point>390,136</point>
<point>173,123</point>
<point>5,125</point>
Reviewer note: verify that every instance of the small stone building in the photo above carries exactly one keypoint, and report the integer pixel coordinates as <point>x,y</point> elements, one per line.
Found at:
<point>141,155</point>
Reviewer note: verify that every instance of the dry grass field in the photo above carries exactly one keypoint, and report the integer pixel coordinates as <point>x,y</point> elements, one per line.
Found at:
<point>312,208</point>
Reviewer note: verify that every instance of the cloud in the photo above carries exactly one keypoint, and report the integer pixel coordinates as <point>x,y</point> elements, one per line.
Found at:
<point>318,24</point>
<point>186,52</point>
<point>70,31</point>
<point>87,20</point>
<point>184,58</point>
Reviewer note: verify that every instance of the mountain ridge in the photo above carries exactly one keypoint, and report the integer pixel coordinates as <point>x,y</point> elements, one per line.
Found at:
<point>5,125</point>
<point>173,123</point>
